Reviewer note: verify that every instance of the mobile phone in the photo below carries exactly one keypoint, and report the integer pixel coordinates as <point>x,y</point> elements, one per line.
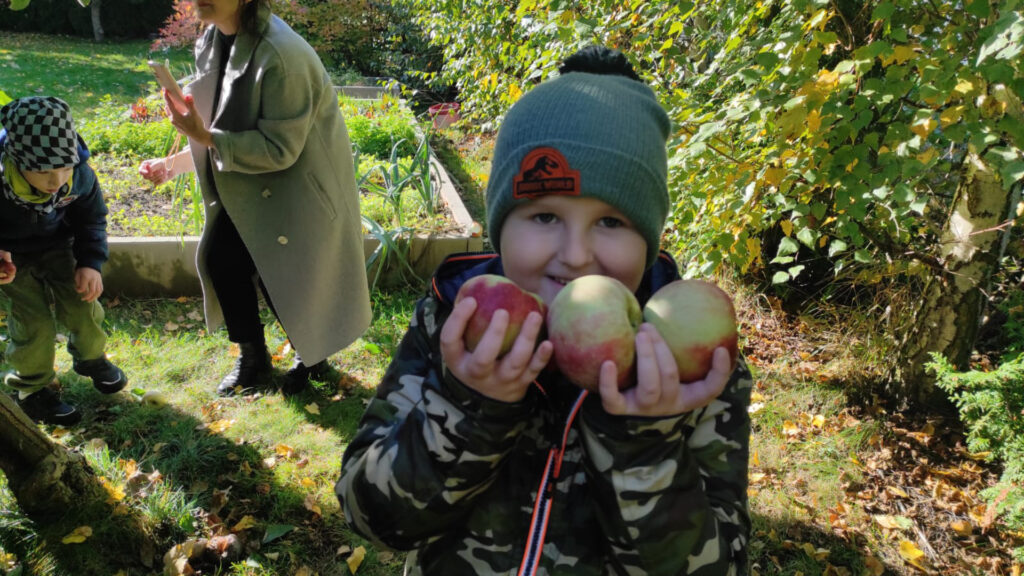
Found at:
<point>167,82</point>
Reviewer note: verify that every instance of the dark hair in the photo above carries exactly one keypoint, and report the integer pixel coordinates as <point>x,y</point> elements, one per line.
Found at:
<point>595,59</point>
<point>250,14</point>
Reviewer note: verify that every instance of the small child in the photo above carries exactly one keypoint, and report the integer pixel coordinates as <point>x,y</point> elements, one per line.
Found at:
<point>53,239</point>
<point>480,464</point>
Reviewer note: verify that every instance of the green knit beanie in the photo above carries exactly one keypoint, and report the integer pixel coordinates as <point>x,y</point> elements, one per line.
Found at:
<point>593,135</point>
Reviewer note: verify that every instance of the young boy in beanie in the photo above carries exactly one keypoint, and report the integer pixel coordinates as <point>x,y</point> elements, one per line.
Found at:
<point>480,464</point>
<point>53,243</point>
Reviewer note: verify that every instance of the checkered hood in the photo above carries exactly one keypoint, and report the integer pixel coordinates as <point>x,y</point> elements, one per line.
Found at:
<point>40,133</point>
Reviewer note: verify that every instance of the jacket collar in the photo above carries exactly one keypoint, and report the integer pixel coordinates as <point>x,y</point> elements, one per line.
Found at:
<point>457,268</point>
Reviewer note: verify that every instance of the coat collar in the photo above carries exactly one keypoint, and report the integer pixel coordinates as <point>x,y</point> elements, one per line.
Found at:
<point>209,47</point>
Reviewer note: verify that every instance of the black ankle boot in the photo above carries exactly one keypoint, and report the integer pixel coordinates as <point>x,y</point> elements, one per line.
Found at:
<point>296,379</point>
<point>251,369</point>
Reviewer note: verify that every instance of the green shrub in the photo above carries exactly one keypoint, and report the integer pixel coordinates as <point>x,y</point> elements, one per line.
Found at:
<point>111,131</point>
<point>991,405</point>
<point>375,135</point>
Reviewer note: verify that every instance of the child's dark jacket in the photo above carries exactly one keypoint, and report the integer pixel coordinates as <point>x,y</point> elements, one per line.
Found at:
<point>78,219</point>
<point>443,471</point>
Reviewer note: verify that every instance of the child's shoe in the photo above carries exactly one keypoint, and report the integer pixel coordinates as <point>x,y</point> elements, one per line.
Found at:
<point>46,406</point>
<point>106,377</point>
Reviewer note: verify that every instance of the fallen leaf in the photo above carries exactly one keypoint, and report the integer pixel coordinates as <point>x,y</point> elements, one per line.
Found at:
<point>312,408</point>
<point>912,554</point>
<point>284,451</point>
<point>961,527</point>
<point>244,524</point>
<point>219,426</point>
<point>355,559</point>
<point>78,535</point>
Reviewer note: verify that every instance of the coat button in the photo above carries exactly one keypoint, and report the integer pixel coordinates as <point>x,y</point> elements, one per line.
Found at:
<point>282,240</point>
<point>266,193</point>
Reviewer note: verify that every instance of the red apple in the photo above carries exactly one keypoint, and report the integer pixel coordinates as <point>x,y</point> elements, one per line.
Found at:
<point>694,317</point>
<point>593,319</point>
<point>7,269</point>
<point>493,293</point>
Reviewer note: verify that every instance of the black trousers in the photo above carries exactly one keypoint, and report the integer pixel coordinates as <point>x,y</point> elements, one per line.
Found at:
<point>234,277</point>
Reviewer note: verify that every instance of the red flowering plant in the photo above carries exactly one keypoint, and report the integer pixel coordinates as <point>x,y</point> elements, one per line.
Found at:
<point>181,28</point>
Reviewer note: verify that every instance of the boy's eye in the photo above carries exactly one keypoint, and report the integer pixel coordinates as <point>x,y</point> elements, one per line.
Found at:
<point>611,222</point>
<point>544,218</point>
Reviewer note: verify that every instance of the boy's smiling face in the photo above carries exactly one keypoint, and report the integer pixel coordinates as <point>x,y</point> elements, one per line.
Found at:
<point>551,240</point>
<point>49,181</point>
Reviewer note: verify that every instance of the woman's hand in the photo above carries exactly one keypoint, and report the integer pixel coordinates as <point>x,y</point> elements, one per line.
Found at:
<point>658,391</point>
<point>506,378</point>
<point>88,283</point>
<point>190,123</point>
<point>160,170</point>
<point>156,171</point>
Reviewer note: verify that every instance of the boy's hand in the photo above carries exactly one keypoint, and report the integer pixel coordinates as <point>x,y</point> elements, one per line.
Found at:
<point>658,391</point>
<point>7,268</point>
<point>88,283</point>
<point>190,123</point>
<point>507,378</point>
<point>155,170</point>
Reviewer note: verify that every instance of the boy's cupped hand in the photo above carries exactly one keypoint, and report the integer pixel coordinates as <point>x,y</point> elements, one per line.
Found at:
<point>505,378</point>
<point>7,268</point>
<point>658,391</point>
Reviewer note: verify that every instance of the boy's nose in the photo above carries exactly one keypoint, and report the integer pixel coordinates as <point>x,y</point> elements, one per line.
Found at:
<point>576,250</point>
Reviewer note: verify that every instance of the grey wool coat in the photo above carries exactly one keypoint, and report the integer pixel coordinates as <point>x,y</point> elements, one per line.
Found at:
<point>282,168</point>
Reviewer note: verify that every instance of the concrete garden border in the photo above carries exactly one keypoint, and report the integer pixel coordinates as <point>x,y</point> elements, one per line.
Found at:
<point>165,266</point>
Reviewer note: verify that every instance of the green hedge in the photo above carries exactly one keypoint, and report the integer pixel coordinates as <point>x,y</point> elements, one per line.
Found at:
<point>120,18</point>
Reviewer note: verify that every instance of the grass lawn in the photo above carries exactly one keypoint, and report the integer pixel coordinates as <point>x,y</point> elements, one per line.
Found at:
<point>80,71</point>
<point>265,461</point>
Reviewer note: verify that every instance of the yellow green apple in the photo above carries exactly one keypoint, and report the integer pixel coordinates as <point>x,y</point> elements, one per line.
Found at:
<point>592,319</point>
<point>693,317</point>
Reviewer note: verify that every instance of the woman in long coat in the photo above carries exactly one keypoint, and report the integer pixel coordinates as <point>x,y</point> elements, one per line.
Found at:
<point>274,162</point>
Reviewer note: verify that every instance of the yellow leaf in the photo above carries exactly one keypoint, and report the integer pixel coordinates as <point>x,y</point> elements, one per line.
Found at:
<point>927,156</point>
<point>900,54</point>
<point>220,425</point>
<point>78,535</point>
<point>312,408</point>
<point>896,492</point>
<point>951,115</point>
<point>874,566</point>
<point>244,524</point>
<point>756,477</point>
<point>790,429</point>
<point>773,176</point>
<point>114,493</point>
<point>964,87</point>
<point>961,527</point>
<point>813,121</point>
<point>818,421</point>
<point>355,559</point>
<point>912,554</point>
<point>923,126</point>
<point>514,92</point>
<point>852,165</point>
<point>787,227</point>
<point>284,451</point>
<point>307,482</point>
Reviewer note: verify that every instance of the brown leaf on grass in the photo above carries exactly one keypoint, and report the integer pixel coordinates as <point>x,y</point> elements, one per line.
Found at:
<point>310,503</point>
<point>170,326</point>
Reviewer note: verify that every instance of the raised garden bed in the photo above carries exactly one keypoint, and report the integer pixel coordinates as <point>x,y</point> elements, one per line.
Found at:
<point>152,232</point>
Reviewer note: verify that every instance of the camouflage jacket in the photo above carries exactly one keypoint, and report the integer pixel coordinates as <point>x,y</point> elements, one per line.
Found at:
<point>453,476</point>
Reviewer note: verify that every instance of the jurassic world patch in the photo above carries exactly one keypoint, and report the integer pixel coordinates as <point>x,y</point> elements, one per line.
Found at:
<point>545,171</point>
